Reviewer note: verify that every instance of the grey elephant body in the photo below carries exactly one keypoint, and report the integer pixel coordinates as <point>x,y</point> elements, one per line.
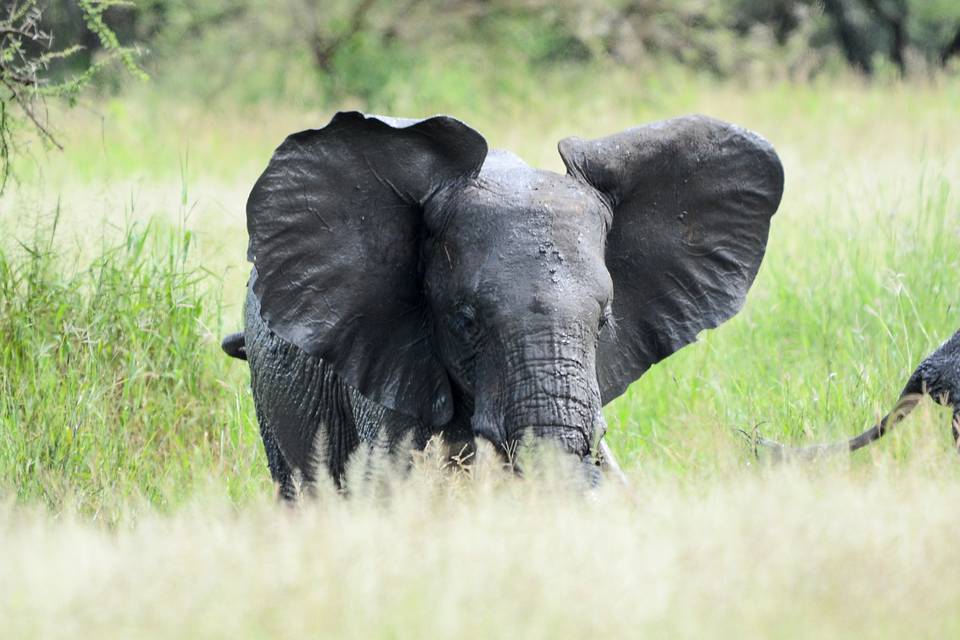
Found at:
<point>939,375</point>
<point>310,420</point>
<point>409,282</point>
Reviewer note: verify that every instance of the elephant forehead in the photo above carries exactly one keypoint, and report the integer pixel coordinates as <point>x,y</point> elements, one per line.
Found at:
<point>515,228</point>
<point>524,203</point>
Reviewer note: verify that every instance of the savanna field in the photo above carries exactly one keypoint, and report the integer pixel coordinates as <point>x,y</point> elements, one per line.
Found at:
<point>134,495</point>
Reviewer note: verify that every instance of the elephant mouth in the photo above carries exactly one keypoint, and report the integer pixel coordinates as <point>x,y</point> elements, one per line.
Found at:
<point>597,465</point>
<point>570,439</point>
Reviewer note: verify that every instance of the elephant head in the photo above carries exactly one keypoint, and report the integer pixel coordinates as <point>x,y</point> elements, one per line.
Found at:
<point>450,282</point>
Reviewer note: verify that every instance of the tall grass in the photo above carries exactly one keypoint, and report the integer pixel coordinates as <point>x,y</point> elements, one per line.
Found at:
<point>843,311</point>
<point>785,554</point>
<point>110,382</point>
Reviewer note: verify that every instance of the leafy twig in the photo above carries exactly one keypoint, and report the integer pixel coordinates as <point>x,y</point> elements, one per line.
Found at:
<point>25,59</point>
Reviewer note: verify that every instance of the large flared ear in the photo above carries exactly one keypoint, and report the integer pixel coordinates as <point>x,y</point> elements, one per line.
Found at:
<point>336,224</point>
<point>692,200</point>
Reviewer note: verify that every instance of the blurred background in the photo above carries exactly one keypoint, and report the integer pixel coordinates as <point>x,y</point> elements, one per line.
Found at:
<point>134,67</point>
<point>449,51</point>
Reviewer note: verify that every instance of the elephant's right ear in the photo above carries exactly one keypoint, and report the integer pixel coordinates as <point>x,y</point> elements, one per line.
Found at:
<point>336,223</point>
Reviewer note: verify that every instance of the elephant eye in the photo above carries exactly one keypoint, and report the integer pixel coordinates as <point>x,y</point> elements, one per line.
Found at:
<point>605,317</point>
<point>466,319</point>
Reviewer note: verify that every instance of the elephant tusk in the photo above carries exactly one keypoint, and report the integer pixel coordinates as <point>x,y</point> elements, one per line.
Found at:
<point>609,463</point>
<point>956,429</point>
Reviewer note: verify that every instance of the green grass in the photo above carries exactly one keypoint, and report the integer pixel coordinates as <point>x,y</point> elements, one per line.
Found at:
<point>119,388</point>
<point>122,264</point>
<point>111,389</point>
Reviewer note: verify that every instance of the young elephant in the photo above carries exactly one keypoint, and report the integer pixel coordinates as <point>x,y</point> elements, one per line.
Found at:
<point>407,281</point>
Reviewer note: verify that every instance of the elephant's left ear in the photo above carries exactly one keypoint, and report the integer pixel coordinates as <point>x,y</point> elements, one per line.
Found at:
<point>692,200</point>
<point>337,223</point>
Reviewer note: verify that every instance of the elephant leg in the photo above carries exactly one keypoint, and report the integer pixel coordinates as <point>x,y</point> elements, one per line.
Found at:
<point>385,432</point>
<point>279,469</point>
<point>305,416</point>
<point>303,409</point>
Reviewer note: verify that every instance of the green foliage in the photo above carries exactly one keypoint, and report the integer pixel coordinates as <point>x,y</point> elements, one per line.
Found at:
<point>109,377</point>
<point>365,68</point>
<point>337,51</point>
<point>340,50</point>
<point>361,49</point>
<point>93,11</point>
<point>26,58</point>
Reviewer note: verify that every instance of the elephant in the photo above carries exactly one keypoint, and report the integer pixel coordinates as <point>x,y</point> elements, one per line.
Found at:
<point>408,281</point>
<point>938,376</point>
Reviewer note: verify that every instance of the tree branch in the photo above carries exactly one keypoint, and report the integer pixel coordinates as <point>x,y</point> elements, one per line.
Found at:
<point>850,41</point>
<point>324,50</point>
<point>25,82</point>
<point>952,49</point>
<point>897,23</point>
<point>30,112</point>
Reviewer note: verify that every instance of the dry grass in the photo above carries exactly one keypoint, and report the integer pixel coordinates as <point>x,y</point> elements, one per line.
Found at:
<point>773,553</point>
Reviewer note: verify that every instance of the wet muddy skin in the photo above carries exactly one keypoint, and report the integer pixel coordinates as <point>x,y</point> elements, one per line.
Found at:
<point>408,281</point>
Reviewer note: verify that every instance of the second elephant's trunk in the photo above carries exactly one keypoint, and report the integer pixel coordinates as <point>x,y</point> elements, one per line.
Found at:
<point>937,376</point>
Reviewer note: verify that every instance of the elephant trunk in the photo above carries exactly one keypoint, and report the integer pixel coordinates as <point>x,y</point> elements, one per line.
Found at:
<point>937,376</point>
<point>904,406</point>
<point>542,385</point>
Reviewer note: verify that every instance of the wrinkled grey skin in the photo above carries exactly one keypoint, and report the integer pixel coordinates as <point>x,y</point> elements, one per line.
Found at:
<point>408,281</point>
<point>937,376</point>
<point>309,420</point>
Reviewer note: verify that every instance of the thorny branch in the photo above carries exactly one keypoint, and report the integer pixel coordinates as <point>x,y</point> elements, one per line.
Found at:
<point>20,76</point>
<point>25,57</point>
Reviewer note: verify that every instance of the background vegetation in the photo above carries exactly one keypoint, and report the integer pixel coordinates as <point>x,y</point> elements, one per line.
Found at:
<point>130,463</point>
